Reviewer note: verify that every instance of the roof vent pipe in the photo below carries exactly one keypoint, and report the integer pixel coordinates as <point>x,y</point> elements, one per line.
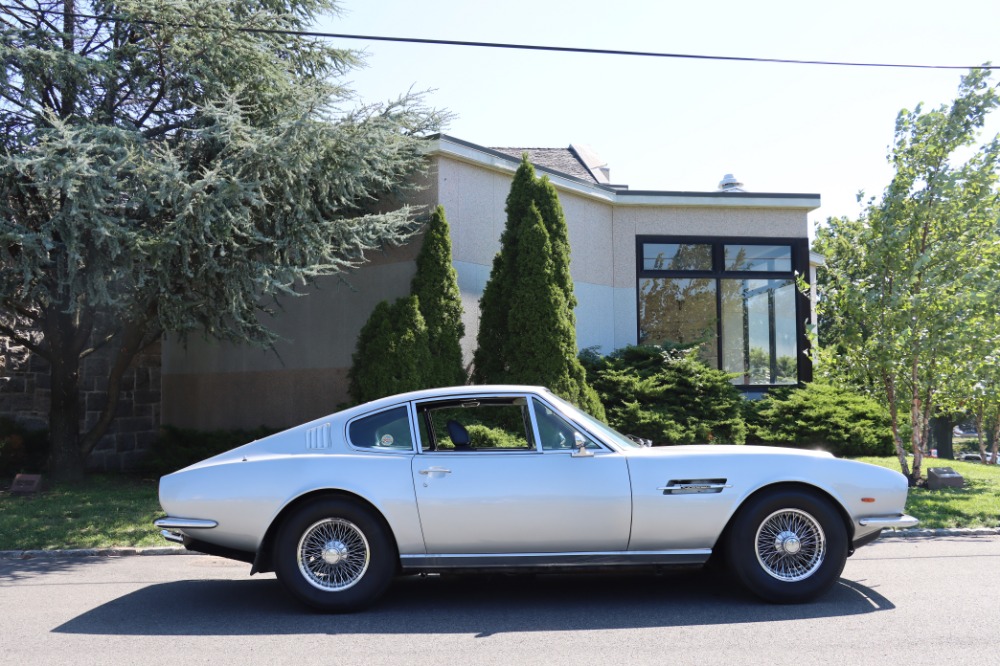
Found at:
<point>729,183</point>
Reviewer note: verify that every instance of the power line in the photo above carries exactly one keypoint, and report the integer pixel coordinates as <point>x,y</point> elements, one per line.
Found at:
<point>499,45</point>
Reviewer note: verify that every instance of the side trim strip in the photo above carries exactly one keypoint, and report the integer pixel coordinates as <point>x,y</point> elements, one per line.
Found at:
<point>554,560</point>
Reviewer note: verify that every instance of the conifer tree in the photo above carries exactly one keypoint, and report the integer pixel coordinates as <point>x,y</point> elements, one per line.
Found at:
<point>158,176</point>
<point>392,352</point>
<point>490,358</point>
<point>527,330</point>
<point>436,287</point>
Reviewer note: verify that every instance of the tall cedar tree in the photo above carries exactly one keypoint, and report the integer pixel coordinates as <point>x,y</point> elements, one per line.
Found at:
<point>527,330</point>
<point>392,352</point>
<point>161,178</point>
<point>436,286</point>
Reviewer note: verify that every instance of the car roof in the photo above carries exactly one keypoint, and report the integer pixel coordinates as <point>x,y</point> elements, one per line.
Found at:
<point>447,392</point>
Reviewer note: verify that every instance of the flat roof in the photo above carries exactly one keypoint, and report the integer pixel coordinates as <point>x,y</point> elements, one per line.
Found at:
<point>467,151</point>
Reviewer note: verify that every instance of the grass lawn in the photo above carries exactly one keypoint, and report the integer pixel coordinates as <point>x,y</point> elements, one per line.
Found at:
<point>975,505</point>
<point>118,510</point>
<point>101,512</point>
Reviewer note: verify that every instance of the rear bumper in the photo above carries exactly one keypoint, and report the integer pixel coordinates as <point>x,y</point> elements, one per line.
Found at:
<point>169,526</point>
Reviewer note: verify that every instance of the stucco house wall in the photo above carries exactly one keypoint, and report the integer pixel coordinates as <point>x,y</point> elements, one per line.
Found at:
<point>208,385</point>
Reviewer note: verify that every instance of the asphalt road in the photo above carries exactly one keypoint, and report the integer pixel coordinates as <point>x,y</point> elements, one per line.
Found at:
<point>904,601</point>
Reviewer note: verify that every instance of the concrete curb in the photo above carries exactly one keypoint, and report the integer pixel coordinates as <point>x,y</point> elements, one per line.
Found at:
<point>92,552</point>
<point>127,552</point>
<point>916,533</point>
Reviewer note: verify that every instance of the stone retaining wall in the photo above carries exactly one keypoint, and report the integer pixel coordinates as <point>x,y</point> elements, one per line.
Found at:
<point>24,398</point>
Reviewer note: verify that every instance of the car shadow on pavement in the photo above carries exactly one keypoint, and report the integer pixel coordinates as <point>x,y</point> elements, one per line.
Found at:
<point>479,605</point>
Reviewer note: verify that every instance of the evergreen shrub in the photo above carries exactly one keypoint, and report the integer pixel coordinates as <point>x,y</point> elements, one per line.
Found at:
<point>666,395</point>
<point>821,416</point>
<point>392,352</point>
<point>436,287</point>
<point>527,329</point>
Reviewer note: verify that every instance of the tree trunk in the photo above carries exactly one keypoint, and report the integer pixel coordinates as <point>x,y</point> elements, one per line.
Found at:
<point>890,389</point>
<point>65,459</point>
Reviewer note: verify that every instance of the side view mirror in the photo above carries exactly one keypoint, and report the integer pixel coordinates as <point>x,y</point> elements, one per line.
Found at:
<point>581,447</point>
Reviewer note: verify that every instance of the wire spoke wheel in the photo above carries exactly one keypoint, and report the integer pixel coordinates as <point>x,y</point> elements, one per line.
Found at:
<point>790,545</point>
<point>333,554</point>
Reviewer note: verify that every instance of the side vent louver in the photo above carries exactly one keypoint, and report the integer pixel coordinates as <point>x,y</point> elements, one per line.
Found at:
<point>318,437</point>
<point>694,486</point>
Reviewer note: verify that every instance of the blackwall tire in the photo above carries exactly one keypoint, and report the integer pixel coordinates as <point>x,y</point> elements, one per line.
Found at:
<point>335,555</point>
<point>787,545</point>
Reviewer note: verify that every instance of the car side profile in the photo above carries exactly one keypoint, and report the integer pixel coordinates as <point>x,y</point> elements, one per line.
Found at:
<point>512,478</point>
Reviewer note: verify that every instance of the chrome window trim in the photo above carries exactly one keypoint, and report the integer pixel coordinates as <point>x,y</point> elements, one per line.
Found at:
<point>458,397</point>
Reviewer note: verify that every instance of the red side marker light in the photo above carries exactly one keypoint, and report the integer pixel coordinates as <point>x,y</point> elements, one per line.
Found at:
<point>868,500</point>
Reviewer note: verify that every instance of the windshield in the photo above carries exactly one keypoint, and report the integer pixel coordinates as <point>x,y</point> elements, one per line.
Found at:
<point>608,433</point>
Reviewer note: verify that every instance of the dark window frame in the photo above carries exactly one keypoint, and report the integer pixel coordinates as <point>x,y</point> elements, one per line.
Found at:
<point>800,268</point>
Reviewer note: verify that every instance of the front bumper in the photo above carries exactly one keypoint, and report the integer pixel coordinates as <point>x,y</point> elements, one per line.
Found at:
<point>897,522</point>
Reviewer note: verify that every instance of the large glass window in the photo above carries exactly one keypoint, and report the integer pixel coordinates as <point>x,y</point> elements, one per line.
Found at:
<point>758,331</point>
<point>677,256</point>
<point>679,311</point>
<point>738,301</point>
<point>770,258</point>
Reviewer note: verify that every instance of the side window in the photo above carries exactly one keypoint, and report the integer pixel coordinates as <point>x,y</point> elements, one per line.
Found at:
<point>494,424</point>
<point>556,432</point>
<point>385,431</point>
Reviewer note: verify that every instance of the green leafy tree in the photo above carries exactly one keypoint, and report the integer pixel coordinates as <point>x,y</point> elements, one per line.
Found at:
<point>667,395</point>
<point>157,177</point>
<point>914,281</point>
<point>392,352</point>
<point>527,330</point>
<point>436,287</point>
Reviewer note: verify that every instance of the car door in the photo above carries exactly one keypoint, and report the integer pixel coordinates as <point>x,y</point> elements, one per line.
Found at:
<point>507,493</point>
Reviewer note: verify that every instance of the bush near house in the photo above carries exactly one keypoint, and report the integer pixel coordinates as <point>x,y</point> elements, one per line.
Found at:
<point>436,286</point>
<point>666,395</point>
<point>823,416</point>
<point>527,329</point>
<point>393,353</point>
<point>415,342</point>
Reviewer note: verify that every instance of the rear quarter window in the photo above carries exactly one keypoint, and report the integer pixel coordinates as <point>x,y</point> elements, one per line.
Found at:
<point>384,431</point>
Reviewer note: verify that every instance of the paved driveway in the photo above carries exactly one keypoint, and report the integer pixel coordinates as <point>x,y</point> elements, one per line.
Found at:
<point>904,601</point>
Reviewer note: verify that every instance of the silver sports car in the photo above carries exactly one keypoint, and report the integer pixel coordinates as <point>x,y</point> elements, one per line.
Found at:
<point>512,478</point>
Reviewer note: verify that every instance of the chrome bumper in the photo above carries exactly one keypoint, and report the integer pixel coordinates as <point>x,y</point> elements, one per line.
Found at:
<point>168,525</point>
<point>897,522</point>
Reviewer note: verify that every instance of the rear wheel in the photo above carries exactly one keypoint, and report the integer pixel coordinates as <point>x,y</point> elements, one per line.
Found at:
<point>334,554</point>
<point>787,546</point>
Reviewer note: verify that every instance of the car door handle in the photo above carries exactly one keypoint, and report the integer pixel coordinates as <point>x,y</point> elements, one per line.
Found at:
<point>432,470</point>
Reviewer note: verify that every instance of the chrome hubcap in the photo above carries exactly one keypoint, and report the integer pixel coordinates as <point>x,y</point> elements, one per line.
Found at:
<point>791,545</point>
<point>788,543</point>
<point>333,554</point>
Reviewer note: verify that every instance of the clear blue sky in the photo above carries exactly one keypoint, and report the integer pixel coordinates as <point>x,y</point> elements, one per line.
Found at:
<point>682,124</point>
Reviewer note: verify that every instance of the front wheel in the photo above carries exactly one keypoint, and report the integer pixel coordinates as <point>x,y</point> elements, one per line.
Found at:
<point>787,546</point>
<point>335,555</point>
